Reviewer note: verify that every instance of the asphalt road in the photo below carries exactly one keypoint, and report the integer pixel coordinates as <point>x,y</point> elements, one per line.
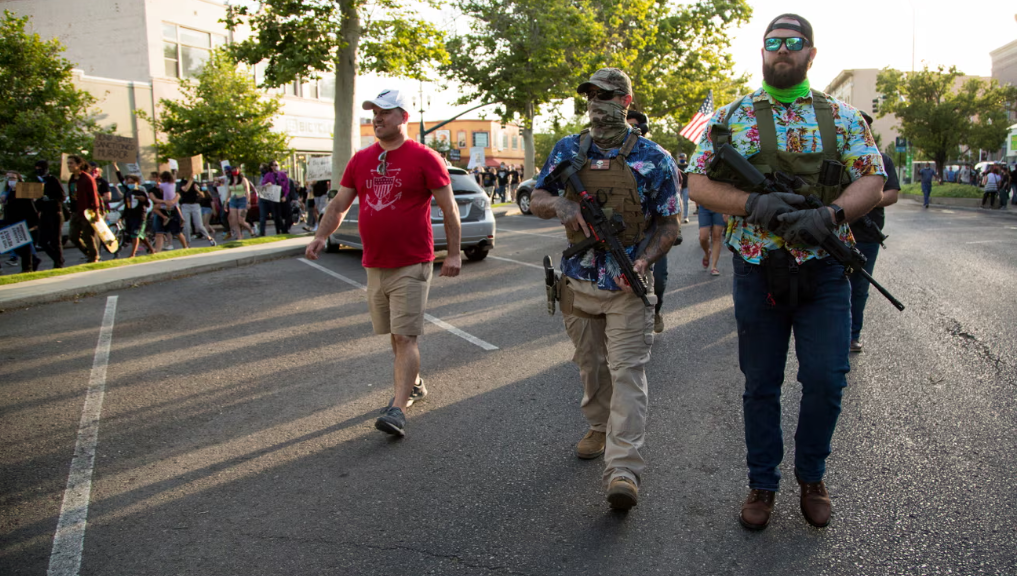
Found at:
<point>236,434</point>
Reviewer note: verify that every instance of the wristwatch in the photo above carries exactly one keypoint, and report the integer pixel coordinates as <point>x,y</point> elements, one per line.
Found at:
<point>839,215</point>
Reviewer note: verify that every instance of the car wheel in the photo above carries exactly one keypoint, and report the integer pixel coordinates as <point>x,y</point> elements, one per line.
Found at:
<point>475,253</point>
<point>524,201</point>
<point>331,247</point>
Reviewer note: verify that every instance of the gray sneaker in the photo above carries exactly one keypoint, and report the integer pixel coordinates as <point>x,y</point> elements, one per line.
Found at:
<point>419,392</point>
<point>392,422</point>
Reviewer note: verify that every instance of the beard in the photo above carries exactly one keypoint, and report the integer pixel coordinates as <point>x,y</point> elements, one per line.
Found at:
<point>787,78</point>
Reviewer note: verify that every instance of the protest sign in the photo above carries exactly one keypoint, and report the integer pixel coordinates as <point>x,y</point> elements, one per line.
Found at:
<point>224,192</point>
<point>65,172</point>
<point>319,168</point>
<point>31,190</point>
<point>14,236</point>
<point>189,167</point>
<point>270,192</point>
<point>116,148</point>
<point>133,168</point>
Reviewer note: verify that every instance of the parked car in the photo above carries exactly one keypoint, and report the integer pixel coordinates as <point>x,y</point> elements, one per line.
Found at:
<point>524,191</point>
<point>477,224</point>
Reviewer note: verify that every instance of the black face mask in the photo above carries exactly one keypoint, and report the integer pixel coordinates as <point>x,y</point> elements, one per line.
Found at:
<point>40,171</point>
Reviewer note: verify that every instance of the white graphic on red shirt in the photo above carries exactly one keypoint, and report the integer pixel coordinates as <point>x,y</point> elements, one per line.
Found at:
<point>382,188</point>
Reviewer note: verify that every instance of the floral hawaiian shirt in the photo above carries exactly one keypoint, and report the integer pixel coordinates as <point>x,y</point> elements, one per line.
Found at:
<point>797,130</point>
<point>658,185</point>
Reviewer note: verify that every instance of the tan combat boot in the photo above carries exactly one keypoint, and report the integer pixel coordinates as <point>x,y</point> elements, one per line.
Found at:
<point>622,494</point>
<point>592,445</point>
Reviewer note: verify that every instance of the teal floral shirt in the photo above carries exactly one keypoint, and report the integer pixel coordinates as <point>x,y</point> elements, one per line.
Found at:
<point>797,131</point>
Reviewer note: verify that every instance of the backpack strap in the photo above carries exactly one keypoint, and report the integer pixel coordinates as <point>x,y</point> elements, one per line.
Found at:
<point>826,125</point>
<point>767,139</point>
<point>629,144</point>
<point>719,134</point>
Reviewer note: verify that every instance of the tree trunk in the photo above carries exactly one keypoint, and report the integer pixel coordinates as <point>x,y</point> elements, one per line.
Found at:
<point>346,131</point>
<point>529,141</point>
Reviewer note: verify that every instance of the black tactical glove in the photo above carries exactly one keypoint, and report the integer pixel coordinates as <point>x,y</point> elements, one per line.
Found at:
<point>806,227</point>
<point>762,209</point>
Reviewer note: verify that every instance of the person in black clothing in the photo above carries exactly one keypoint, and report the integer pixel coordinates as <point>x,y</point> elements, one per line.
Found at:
<point>136,200</point>
<point>502,179</point>
<point>17,210</point>
<point>51,214</point>
<point>102,185</point>
<point>868,242</point>
<point>191,210</point>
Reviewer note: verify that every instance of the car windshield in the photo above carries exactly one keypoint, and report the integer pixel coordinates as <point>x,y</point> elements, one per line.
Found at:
<point>464,184</point>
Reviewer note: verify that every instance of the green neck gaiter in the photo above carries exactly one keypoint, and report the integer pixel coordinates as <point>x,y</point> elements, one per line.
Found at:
<point>787,95</point>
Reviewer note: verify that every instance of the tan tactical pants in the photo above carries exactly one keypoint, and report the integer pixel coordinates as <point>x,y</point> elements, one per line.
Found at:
<point>611,350</point>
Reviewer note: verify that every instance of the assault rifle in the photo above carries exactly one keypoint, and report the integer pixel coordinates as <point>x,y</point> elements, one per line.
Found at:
<point>603,231</point>
<point>851,259</point>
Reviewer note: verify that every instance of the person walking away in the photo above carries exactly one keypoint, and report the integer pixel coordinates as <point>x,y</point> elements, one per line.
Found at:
<point>83,188</point>
<point>269,208</point>
<point>191,210</point>
<point>51,214</point>
<point>610,327</point>
<point>927,174</point>
<point>783,281</point>
<point>991,182</point>
<point>710,231</point>
<point>168,225</point>
<point>399,269</point>
<point>18,210</point>
<point>868,242</point>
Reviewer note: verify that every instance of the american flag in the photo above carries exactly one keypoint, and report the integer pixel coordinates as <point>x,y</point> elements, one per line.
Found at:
<point>692,131</point>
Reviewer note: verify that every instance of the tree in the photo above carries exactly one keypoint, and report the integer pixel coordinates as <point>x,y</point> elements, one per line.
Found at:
<point>42,113</point>
<point>222,117</point>
<point>523,54</point>
<point>939,118</point>
<point>303,38</point>
<point>561,127</point>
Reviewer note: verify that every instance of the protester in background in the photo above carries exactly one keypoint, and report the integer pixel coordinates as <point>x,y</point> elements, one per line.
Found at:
<point>926,174</point>
<point>136,201</point>
<point>17,210</point>
<point>681,161</point>
<point>991,182</point>
<point>170,225</point>
<point>320,198</point>
<point>267,208</point>
<point>83,189</point>
<point>51,214</point>
<point>489,183</point>
<point>191,211</point>
<point>207,200</point>
<point>1004,187</point>
<point>502,179</point>
<point>239,189</point>
<point>102,184</point>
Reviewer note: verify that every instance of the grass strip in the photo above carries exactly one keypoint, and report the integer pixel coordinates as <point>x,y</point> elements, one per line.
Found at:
<point>949,190</point>
<point>124,261</point>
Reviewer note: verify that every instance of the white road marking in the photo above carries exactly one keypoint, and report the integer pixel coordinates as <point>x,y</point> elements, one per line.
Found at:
<point>65,559</point>
<point>947,211</point>
<point>449,328</point>
<point>517,262</point>
<point>1011,240</point>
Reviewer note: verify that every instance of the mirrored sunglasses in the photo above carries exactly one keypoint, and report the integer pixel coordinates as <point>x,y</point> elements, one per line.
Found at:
<point>792,44</point>
<point>381,169</point>
<point>604,94</point>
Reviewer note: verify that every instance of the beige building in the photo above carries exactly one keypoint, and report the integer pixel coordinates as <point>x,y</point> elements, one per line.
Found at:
<point>1004,69</point>
<point>146,47</point>
<point>858,89</point>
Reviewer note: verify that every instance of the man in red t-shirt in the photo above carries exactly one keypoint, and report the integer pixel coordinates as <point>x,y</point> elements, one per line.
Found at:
<point>83,188</point>
<point>395,180</point>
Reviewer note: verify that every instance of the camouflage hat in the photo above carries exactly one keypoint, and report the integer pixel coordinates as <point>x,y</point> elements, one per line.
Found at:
<point>607,79</point>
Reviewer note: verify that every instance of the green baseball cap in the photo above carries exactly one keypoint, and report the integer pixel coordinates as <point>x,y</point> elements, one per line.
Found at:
<point>607,79</point>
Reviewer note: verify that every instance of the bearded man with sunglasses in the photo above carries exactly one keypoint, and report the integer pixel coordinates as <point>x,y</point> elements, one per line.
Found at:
<point>395,180</point>
<point>783,281</point>
<point>610,326</point>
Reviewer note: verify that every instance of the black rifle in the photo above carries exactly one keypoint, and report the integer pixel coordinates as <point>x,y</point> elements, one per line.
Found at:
<point>851,258</point>
<point>603,231</point>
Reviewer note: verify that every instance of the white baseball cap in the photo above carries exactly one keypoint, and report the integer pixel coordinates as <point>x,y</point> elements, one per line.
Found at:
<point>388,99</point>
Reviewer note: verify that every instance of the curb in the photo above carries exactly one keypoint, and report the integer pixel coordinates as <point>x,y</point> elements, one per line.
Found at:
<point>14,295</point>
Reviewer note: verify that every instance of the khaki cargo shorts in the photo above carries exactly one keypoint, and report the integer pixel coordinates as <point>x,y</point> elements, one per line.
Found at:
<point>397,297</point>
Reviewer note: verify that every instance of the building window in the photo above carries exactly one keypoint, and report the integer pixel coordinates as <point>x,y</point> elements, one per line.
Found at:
<point>327,88</point>
<point>513,143</point>
<point>480,139</point>
<point>186,51</point>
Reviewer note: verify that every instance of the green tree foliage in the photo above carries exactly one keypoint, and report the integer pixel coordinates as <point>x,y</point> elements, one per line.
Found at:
<point>939,114</point>
<point>560,128</point>
<point>222,116</point>
<point>303,38</point>
<point>42,114</point>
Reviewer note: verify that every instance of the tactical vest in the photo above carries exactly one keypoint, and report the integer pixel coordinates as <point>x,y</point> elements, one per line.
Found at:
<point>611,182</point>
<point>807,165</point>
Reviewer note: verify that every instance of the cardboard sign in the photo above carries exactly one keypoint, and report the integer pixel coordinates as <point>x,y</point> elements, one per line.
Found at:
<point>189,167</point>
<point>65,172</point>
<point>116,148</point>
<point>31,190</point>
<point>14,236</point>
<point>319,168</point>
<point>133,168</point>
<point>270,192</point>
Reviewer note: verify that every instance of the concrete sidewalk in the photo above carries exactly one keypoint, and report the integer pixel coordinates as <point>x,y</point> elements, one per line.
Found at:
<point>93,282</point>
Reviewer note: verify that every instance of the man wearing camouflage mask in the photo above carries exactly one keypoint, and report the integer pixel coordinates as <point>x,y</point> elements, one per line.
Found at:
<point>611,328</point>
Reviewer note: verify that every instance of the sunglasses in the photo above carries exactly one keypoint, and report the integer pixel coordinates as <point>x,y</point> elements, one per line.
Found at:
<point>794,44</point>
<point>381,169</point>
<point>604,94</point>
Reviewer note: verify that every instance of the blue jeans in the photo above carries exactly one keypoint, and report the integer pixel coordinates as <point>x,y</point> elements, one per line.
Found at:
<point>267,207</point>
<point>926,189</point>
<point>684,197</point>
<point>821,327</point>
<point>859,288</point>
<point>660,272</point>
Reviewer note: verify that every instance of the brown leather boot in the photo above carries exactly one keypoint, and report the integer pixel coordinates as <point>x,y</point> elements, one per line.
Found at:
<point>592,445</point>
<point>815,504</point>
<point>622,494</point>
<point>757,509</point>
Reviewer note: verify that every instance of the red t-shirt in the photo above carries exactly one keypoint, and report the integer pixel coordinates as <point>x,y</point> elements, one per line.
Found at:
<point>395,221</point>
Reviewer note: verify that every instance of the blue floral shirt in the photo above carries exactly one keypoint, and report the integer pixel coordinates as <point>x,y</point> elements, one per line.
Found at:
<point>796,131</point>
<point>658,185</point>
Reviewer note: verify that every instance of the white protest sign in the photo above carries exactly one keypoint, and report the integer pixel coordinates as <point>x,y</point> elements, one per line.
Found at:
<point>270,192</point>
<point>133,169</point>
<point>224,164</point>
<point>477,157</point>
<point>224,192</point>
<point>14,236</point>
<point>319,168</point>
<point>173,164</point>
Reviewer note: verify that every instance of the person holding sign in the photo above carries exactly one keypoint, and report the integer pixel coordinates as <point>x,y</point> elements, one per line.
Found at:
<point>239,189</point>
<point>51,214</point>
<point>279,178</point>
<point>135,203</point>
<point>83,189</point>
<point>18,209</point>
